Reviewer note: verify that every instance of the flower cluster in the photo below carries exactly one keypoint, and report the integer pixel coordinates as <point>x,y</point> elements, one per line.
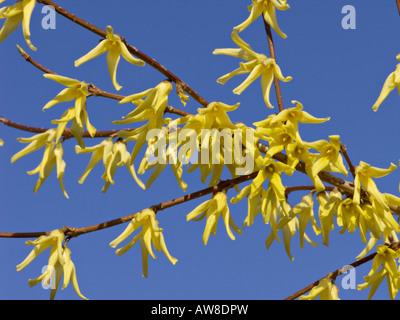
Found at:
<point>150,234</point>
<point>59,263</point>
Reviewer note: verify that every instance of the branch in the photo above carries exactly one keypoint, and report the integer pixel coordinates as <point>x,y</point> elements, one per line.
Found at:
<point>153,63</point>
<point>343,150</point>
<point>75,232</point>
<point>92,88</point>
<point>333,275</point>
<point>273,56</point>
<point>398,5</point>
<point>67,132</point>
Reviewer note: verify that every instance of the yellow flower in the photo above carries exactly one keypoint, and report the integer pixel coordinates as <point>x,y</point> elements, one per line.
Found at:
<point>328,205</point>
<point>1,143</point>
<point>160,159</point>
<point>267,9</point>
<point>329,155</point>
<point>149,234</point>
<point>76,90</point>
<point>258,65</point>
<point>114,155</point>
<point>390,84</point>
<point>305,214</point>
<point>272,171</point>
<point>295,115</point>
<point>326,290</point>
<point>216,117</point>
<point>364,174</point>
<point>76,129</point>
<point>18,13</point>
<point>114,48</point>
<point>150,109</point>
<point>212,210</point>
<point>59,263</point>
<point>52,156</point>
<point>385,257</point>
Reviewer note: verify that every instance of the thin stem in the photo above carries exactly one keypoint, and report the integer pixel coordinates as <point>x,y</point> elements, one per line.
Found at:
<point>75,232</point>
<point>333,275</point>
<point>153,63</point>
<point>273,56</point>
<point>304,188</point>
<point>343,150</point>
<point>398,5</point>
<point>67,132</point>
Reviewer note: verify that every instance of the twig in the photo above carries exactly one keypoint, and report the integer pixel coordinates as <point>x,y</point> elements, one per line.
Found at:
<point>273,56</point>
<point>398,5</point>
<point>343,150</point>
<point>67,132</point>
<point>153,63</point>
<point>75,232</point>
<point>338,272</point>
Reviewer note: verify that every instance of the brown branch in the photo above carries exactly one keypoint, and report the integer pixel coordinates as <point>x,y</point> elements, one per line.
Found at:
<point>343,150</point>
<point>67,132</point>
<point>153,63</point>
<point>304,188</point>
<point>93,90</point>
<point>273,56</point>
<point>398,5</point>
<point>75,232</point>
<point>333,275</point>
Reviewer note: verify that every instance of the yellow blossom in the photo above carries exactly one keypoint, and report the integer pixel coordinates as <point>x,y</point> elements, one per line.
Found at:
<point>18,13</point>
<point>390,84</point>
<point>52,157</point>
<point>1,143</point>
<point>258,65</point>
<point>212,210</point>
<point>328,205</point>
<point>386,258</point>
<point>76,90</point>
<point>114,155</point>
<point>305,214</point>
<point>150,234</point>
<point>329,155</point>
<point>296,114</point>
<point>59,263</point>
<point>267,9</point>
<point>76,129</point>
<point>326,290</point>
<point>364,174</point>
<point>115,48</point>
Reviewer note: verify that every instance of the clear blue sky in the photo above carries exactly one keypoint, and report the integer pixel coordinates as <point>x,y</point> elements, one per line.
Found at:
<point>336,72</point>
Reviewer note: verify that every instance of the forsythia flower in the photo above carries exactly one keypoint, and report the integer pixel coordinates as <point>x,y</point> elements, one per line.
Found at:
<point>59,262</point>
<point>329,155</point>
<point>385,257</point>
<point>114,155</point>
<point>53,156</point>
<point>328,205</point>
<point>76,129</point>
<point>149,234</point>
<point>212,210</point>
<point>161,159</point>
<point>267,9</point>
<point>76,90</point>
<point>1,143</point>
<point>18,13</point>
<point>114,48</point>
<point>305,214</point>
<point>326,290</point>
<point>364,174</point>
<point>390,84</point>
<point>295,115</point>
<point>257,65</point>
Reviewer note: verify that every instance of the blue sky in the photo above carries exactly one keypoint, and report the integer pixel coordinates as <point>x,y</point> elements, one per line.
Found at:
<point>336,72</point>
